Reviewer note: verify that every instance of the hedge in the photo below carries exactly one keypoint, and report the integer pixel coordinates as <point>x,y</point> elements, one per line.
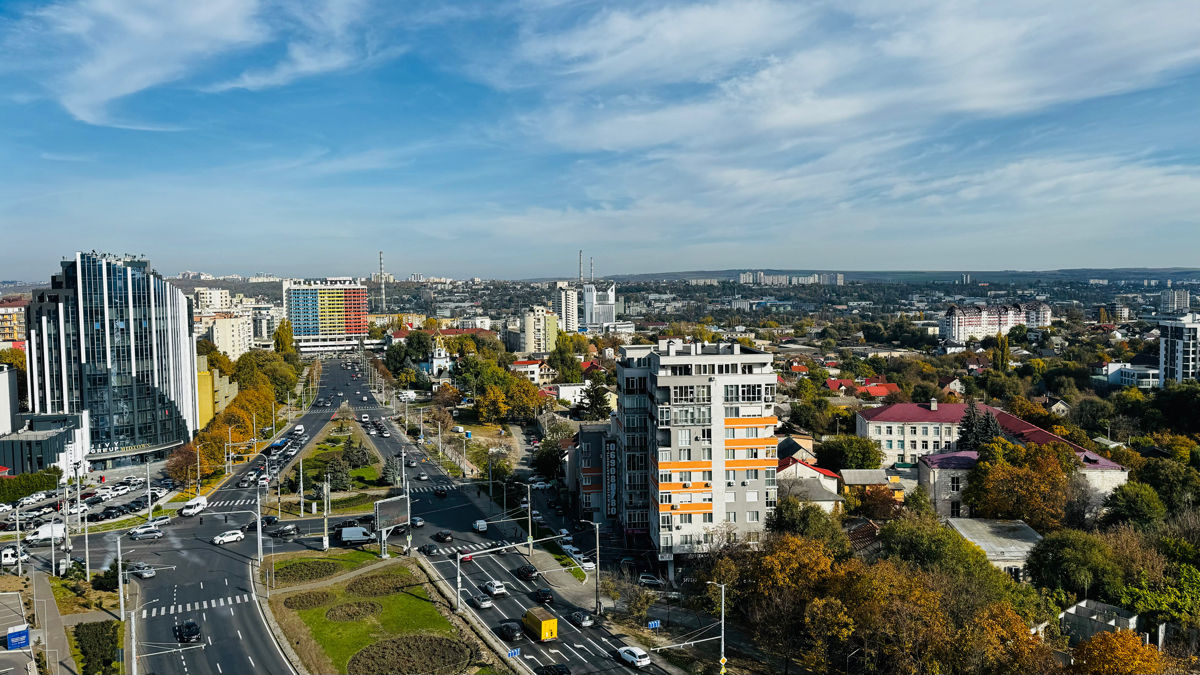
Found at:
<point>98,643</point>
<point>308,600</point>
<point>25,484</point>
<point>414,654</point>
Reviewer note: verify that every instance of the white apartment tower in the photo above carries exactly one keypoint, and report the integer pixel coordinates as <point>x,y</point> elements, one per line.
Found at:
<point>211,298</point>
<point>962,324</point>
<point>1179,348</point>
<point>1175,301</point>
<point>566,306</point>
<point>599,306</point>
<point>695,457</point>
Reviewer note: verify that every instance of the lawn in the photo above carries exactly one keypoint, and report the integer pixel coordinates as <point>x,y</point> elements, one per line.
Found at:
<point>347,560</point>
<point>76,597</point>
<point>404,613</point>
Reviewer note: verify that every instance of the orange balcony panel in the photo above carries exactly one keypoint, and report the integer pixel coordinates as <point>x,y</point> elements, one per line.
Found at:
<point>696,486</point>
<point>685,466</point>
<point>768,442</point>
<point>768,463</point>
<point>695,507</point>
<point>751,421</point>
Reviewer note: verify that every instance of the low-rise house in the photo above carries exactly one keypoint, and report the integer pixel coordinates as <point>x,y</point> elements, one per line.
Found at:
<point>857,481</point>
<point>1006,543</point>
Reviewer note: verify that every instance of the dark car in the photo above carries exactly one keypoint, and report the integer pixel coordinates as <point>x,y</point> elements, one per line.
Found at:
<point>526,572</point>
<point>511,631</point>
<point>93,500</point>
<point>98,516</point>
<point>439,492</point>
<point>443,536</point>
<point>270,520</point>
<point>289,530</point>
<point>543,596</point>
<point>350,522</point>
<point>188,631</point>
<point>427,549</point>
<point>367,521</point>
<point>552,669</point>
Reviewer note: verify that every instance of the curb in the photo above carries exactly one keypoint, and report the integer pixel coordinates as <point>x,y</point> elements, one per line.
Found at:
<point>264,609</point>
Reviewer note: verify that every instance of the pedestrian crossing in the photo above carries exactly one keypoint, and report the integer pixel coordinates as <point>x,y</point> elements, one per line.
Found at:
<point>215,603</point>
<point>232,502</point>
<point>431,488</point>
<point>473,547</point>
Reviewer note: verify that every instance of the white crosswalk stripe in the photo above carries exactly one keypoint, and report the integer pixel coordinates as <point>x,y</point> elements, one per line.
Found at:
<point>196,606</point>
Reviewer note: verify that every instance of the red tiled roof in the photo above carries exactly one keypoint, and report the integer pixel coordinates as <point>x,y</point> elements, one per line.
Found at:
<point>789,461</point>
<point>834,385</point>
<point>876,379</point>
<point>527,363</point>
<point>879,389</point>
<point>799,369</point>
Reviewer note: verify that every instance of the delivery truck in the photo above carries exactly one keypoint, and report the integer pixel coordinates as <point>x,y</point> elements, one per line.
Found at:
<point>49,533</point>
<point>540,624</point>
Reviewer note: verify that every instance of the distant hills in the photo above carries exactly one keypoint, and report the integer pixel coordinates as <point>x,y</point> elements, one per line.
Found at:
<point>995,276</point>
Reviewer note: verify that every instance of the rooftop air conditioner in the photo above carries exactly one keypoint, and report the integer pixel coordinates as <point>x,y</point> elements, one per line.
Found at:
<point>687,485</point>
<point>708,485</point>
<point>728,483</point>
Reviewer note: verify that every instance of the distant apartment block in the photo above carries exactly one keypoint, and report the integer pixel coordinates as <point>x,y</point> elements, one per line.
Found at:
<point>12,320</point>
<point>1178,347</point>
<point>211,298</point>
<point>536,330</point>
<point>962,324</point>
<point>326,314</point>
<point>599,306</point>
<point>233,334</point>
<point>566,306</point>
<point>761,278</point>
<point>696,453</point>
<point>1175,301</point>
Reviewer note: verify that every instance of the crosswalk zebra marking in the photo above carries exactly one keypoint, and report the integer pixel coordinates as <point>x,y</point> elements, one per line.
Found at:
<point>227,601</point>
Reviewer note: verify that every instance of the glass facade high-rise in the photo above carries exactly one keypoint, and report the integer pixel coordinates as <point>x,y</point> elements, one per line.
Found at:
<point>113,338</point>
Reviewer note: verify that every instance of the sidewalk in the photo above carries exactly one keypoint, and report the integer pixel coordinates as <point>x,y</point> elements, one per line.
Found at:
<point>89,617</point>
<point>54,634</point>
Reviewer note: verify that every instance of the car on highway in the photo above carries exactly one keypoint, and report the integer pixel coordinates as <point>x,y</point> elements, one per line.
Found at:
<point>228,537</point>
<point>526,572</point>
<point>582,619</point>
<point>543,596</point>
<point>495,588</point>
<point>634,656</point>
<point>386,433</point>
<point>188,631</point>
<point>427,549</point>
<point>410,463</point>
<point>510,631</point>
<point>142,528</point>
<point>364,399</point>
<point>443,536</point>
<point>482,601</point>
<point>552,669</point>
<point>417,521</point>
<point>541,485</point>
<point>422,476</point>
<point>289,530</point>
<point>153,533</point>
<point>142,570</point>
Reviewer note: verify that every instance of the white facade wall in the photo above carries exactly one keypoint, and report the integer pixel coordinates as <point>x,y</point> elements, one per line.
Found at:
<point>908,441</point>
<point>962,324</point>
<point>232,335</point>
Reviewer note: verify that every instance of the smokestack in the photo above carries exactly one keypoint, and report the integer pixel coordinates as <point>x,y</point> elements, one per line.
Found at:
<point>592,269</point>
<point>580,266</point>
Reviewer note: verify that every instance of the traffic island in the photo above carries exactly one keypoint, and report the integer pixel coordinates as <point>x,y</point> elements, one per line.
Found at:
<point>382,617</point>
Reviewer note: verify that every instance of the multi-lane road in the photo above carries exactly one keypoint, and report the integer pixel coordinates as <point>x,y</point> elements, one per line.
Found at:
<point>213,586</point>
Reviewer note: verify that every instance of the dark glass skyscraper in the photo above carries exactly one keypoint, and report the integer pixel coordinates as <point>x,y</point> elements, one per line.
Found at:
<point>113,338</point>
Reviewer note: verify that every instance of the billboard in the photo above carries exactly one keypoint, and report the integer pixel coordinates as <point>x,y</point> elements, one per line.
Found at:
<point>391,512</point>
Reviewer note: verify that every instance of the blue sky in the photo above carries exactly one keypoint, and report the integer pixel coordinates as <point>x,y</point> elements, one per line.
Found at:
<point>496,138</point>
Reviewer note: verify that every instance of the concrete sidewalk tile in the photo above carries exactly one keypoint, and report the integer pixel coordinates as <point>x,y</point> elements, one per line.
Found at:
<point>53,628</point>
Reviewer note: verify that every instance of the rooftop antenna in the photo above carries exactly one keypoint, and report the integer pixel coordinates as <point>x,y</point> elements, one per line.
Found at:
<point>382,287</point>
<point>592,269</point>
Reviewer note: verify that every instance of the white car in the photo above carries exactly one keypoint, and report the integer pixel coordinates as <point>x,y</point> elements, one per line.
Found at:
<point>118,490</point>
<point>5,506</point>
<point>480,526</point>
<point>634,656</point>
<point>228,537</point>
<point>26,501</point>
<point>422,476</point>
<point>78,508</point>
<point>541,485</point>
<point>565,535</point>
<point>586,563</point>
<point>147,527</point>
<point>495,588</point>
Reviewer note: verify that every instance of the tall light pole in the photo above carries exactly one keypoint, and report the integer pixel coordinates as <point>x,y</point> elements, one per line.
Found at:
<point>713,583</point>
<point>599,607</point>
<point>529,518</point>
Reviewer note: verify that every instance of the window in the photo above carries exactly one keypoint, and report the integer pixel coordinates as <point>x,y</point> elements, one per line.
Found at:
<point>889,445</point>
<point>706,476</point>
<point>730,474</point>
<point>685,519</point>
<point>590,480</point>
<point>752,516</point>
<point>730,497</point>
<point>732,411</point>
<point>889,429</point>
<point>912,445</point>
<point>924,431</point>
<point>706,436</point>
<point>664,477</point>
<point>772,499</point>
<point>752,432</point>
<point>937,445</point>
<point>769,475</point>
<point>912,431</point>
<point>685,454</point>
<point>706,497</point>
<point>664,455</point>
<point>730,453</point>
<point>664,520</point>
<point>751,474</point>
<point>751,495</point>
<point>685,437</point>
<point>877,430</point>
<point>730,517</point>
<point>703,393</point>
<point>685,476</point>
<point>664,498</point>
<point>706,453</point>
<point>731,393</point>
<point>729,433</point>
<point>955,483</point>
<point>924,445</point>
<point>706,518</point>
<point>752,453</point>
<point>752,393</point>
<point>955,509</point>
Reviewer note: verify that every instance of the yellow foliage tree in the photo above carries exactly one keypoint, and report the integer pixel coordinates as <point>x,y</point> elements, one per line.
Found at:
<point>1116,653</point>
<point>491,406</point>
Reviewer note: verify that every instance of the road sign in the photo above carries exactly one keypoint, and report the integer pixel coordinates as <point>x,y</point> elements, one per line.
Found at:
<point>514,652</point>
<point>18,636</point>
<point>529,539</point>
<point>654,624</point>
<point>722,670</point>
<point>724,660</point>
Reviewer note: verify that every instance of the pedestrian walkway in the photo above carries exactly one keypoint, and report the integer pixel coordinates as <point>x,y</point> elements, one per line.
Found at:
<point>54,632</point>
<point>473,547</point>
<point>89,617</point>
<point>214,603</point>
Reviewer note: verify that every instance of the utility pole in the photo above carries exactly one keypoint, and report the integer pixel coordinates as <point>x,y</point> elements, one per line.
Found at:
<point>258,523</point>
<point>599,607</point>
<point>722,622</point>
<point>529,518</point>
<point>20,548</point>
<point>301,486</point>
<point>120,577</point>
<point>325,518</point>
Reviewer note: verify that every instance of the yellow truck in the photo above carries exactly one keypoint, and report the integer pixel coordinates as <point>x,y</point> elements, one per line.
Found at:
<point>541,624</point>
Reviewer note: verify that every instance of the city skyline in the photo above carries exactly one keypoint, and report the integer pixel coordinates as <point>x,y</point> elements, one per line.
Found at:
<point>487,139</point>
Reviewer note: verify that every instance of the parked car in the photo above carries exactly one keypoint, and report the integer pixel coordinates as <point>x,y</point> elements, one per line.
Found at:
<point>565,534</point>
<point>586,563</point>
<point>228,537</point>
<point>647,579</point>
<point>634,656</point>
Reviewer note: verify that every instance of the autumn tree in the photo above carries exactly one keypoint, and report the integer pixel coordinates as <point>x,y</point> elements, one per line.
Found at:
<point>1177,484</point>
<point>1118,652</point>
<point>792,516</point>
<point>997,641</point>
<point>491,406</point>
<point>447,396</point>
<point>522,398</point>
<point>848,452</point>
<point>283,339</point>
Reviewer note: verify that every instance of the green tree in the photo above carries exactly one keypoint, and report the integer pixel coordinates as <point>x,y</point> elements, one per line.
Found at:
<point>339,475</point>
<point>1003,354</point>
<point>969,437</point>
<point>1076,562</point>
<point>491,406</point>
<point>523,399</point>
<point>393,471</point>
<point>357,456</point>
<point>283,338</point>
<point>848,452</point>
<point>805,519</point>
<point>564,363</point>
<point>989,428</point>
<point>1134,503</point>
<point>418,346</point>
<point>394,356</point>
<point>1177,485</point>
<point>595,402</point>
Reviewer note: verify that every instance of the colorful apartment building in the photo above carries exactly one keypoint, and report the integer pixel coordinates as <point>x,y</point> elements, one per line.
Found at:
<point>326,314</point>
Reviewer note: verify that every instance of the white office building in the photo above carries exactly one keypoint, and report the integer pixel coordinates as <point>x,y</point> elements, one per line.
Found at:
<point>211,298</point>
<point>599,306</point>
<point>232,334</point>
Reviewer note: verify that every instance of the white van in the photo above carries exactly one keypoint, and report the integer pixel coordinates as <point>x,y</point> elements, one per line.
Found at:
<point>9,555</point>
<point>194,506</point>
<point>299,430</point>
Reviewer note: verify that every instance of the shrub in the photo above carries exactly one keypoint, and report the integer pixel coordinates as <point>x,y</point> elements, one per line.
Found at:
<point>308,600</point>
<point>414,654</point>
<point>377,585</point>
<point>98,644</point>
<point>353,611</point>
<point>350,502</point>
<point>306,570</point>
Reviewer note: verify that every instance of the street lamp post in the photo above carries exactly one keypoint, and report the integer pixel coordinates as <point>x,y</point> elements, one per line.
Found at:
<point>529,518</point>
<point>722,586</point>
<point>599,607</point>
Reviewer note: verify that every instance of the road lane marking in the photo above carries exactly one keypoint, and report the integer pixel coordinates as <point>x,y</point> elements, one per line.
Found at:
<point>219,668</point>
<point>205,604</point>
<point>251,660</point>
<point>239,635</point>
